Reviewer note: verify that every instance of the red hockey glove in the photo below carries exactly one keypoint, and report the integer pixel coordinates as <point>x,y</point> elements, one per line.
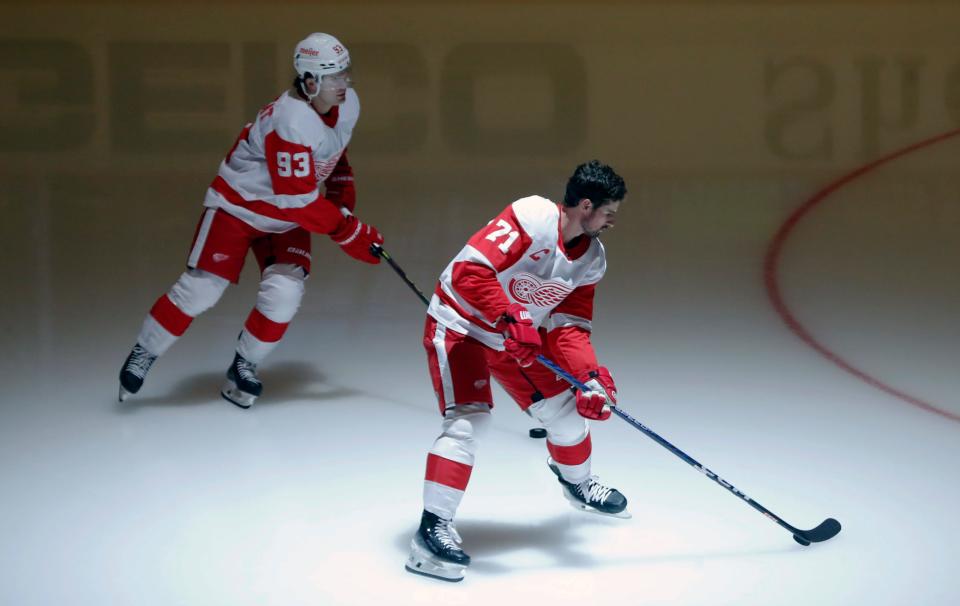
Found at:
<point>523,340</point>
<point>355,239</point>
<point>595,404</point>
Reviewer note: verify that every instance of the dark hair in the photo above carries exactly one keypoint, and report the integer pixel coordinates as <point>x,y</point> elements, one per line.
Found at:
<point>299,83</point>
<point>596,182</point>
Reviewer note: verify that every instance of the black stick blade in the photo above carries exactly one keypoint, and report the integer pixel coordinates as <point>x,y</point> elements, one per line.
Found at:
<point>827,529</point>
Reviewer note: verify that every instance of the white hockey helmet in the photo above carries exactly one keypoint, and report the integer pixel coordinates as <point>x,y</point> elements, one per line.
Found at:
<point>320,54</point>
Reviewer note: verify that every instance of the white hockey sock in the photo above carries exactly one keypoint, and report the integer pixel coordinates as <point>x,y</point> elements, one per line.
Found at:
<point>451,458</point>
<point>568,435</point>
<point>278,299</point>
<point>194,292</point>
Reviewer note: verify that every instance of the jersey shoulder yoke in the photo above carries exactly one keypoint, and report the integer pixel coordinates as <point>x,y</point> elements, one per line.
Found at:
<point>296,121</point>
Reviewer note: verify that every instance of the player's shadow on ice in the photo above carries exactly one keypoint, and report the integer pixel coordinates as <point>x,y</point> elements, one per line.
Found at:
<point>555,537</point>
<point>284,383</point>
<point>558,538</point>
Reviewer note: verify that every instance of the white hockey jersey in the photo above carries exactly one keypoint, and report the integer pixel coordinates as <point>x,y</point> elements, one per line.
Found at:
<point>271,178</point>
<point>523,246</point>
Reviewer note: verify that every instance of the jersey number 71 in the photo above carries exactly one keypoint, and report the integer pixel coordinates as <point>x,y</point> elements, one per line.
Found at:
<point>504,229</point>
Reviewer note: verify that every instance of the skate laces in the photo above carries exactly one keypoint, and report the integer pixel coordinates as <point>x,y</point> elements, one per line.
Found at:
<point>592,490</point>
<point>246,370</point>
<point>447,534</point>
<point>454,534</point>
<point>139,362</point>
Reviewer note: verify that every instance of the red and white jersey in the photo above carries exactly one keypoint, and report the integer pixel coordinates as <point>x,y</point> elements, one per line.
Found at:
<point>520,257</point>
<point>271,178</point>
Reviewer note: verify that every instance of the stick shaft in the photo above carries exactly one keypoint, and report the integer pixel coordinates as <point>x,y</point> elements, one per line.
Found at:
<point>378,251</point>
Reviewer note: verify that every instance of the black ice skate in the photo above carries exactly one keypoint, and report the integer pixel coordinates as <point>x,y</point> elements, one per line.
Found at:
<point>134,370</point>
<point>590,495</point>
<point>242,387</point>
<point>435,550</point>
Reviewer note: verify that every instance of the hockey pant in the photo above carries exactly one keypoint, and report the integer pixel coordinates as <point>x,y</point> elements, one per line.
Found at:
<point>196,291</point>
<point>451,459</point>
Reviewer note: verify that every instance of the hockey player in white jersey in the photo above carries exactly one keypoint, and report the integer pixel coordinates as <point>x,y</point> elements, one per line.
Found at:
<point>523,284</point>
<point>286,175</point>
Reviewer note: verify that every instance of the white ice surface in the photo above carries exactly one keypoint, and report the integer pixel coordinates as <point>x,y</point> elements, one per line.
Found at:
<point>177,497</point>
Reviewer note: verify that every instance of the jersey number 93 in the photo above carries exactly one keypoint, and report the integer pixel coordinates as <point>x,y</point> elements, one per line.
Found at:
<point>297,164</point>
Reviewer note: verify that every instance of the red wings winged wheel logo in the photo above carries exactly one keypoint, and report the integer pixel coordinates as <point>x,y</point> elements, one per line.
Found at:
<point>529,289</point>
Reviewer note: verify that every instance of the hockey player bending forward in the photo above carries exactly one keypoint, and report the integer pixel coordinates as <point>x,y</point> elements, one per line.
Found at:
<point>522,285</point>
<point>267,198</point>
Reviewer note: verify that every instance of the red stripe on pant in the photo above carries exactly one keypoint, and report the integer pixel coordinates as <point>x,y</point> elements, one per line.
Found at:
<point>446,472</point>
<point>264,328</point>
<point>170,317</point>
<point>571,455</point>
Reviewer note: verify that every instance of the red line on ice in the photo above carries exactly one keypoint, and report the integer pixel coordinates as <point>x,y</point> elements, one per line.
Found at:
<point>772,260</point>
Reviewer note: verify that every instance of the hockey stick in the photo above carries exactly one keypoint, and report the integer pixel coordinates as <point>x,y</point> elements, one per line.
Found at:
<point>378,251</point>
<point>826,530</point>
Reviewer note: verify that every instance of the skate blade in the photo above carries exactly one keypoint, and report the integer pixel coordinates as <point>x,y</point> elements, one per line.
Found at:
<point>422,561</point>
<point>231,393</point>
<point>124,394</point>
<point>623,515</point>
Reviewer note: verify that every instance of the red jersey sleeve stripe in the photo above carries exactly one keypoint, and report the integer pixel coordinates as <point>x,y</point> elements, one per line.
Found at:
<point>319,216</point>
<point>578,303</point>
<point>448,301</point>
<point>479,286</point>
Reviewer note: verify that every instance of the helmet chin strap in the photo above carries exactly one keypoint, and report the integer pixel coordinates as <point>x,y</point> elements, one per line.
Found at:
<point>302,86</point>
